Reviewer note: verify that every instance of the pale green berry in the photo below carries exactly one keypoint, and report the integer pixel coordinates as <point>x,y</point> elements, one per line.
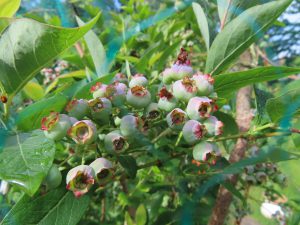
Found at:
<point>99,90</point>
<point>114,142</point>
<point>199,108</point>
<point>78,108</point>
<point>138,80</point>
<point>213,126</point>
<point>167,101</point>
<point>53,178</point>
<point>80,179</point>
<point>193,131</point>
<point>205,151</point>
<point>56,126</point>
<point>152,111</point>
<point>129,125</point>
<point>103,169</point>
<point>138,97</point>
<point>101,109</point>
<point>184,89</point>
<point>83,132</point>
<point>176,119</point>
<point>204,84</point>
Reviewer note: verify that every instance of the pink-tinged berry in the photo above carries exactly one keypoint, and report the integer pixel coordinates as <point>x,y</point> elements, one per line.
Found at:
<point>193,131</point>
<point>103,169</point>
<point>80,179</point>
<point>55,126</point>
<point>207,152</point>
<point>180,69</point>
<point>77,108</point>
<point>199,108</point>
<point>152,111</point>
<point>176,119</point>
<point>204,84</point>
<point>98,90</point>
<point>83,132</point>
<point>184,89</point>
<point>129,125</point>
<point>53,178</point>
<point>120,77</point>
<point>213,126</point>
<point>119,95</point>
<point>138,80</point>
<point>114,142</point>
<point>101,109</point>
<point>166,101</point>
<point>138,97</point>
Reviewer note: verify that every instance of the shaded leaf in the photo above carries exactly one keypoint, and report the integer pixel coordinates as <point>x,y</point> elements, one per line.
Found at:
<point>129,164</point>
<point>25,160</point>
<point>230,126</point>
<point>58,207</point>
<point>240,33</point>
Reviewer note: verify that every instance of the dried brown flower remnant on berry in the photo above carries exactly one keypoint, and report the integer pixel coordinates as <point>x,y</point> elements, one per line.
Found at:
<point>182,57</point>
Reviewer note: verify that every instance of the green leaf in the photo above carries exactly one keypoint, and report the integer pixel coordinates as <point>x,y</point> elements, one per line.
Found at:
<point>128,219</point>
<point>225,84</point>
<point>25,160</point>
<point>129,164</point>
<point>240,33</point>
<point>230,126</point>
<point>228,10</point>
<point>58,207</point>
<point>9,7</point>
<point>29,46</point>
<point>34,90</point>
<point>235,192</point>
<point>284,106</point>
<point>141,216</point>
<point>202,23</point>
<point>30,117</point>
<point>96,49</point>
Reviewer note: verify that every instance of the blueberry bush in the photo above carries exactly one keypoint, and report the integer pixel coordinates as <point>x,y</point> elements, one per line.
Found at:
<point>146,113</point>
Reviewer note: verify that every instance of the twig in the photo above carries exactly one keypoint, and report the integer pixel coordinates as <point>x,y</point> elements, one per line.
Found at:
<point>223,22</point>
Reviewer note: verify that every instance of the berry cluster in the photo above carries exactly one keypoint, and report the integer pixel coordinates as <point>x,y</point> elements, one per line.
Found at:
<point>51,73</point>
<point>184,99</point>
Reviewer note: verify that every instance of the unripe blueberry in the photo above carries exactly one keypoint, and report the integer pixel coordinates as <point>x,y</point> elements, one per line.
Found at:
<point>53,178</point>
<point>80,179</point>
<point>166,101</point>
<point>213,126</point>
<point>204,84</point>
<point>56,125</point>
<point>193,131</point>
<point>176,119</point>
<point>83,132</point>
<point>249,170</point>
<point>281,179</point>
<point>119,94</point>
<point>101,109</point>
<point>103,169</point>
<point>152,111</point>
<point>77,108</point>
<point>184,89</point>
<point>98,90</point>
<point>205,151</point>
<point>179,70</point>
<point>250,179</point>
<point>261,177</point>
<point>138,97</point>
<point>120,77</point>
<point>199,108</point>
<point>138,80</point>
<point>114,142</point>
<point>129,125</point>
